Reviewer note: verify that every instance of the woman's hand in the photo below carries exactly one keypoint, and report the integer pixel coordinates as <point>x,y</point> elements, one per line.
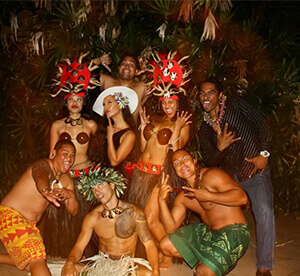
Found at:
<point>182,119</point>
<point>143,117</point>
<point>110,130</point>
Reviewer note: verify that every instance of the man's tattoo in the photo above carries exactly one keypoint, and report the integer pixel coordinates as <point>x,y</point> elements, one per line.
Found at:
<point>41,167</point>
<point>142,227</point>
<point>125,224</point>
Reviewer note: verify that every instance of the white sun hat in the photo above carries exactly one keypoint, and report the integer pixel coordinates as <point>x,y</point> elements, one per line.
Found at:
<point>123,95</point>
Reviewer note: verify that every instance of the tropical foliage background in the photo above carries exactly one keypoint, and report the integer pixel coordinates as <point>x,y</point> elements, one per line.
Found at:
<point>252,46</point>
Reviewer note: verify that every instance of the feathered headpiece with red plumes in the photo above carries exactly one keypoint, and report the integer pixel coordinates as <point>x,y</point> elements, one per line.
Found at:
<point>75,77</point>
<point>168,74</point>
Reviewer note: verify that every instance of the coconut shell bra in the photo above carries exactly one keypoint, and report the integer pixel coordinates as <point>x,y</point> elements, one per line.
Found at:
<point>163,135</point>
<point>81,138</point>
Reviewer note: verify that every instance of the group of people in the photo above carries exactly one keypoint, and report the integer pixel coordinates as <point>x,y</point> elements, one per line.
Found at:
<point>81,186</point>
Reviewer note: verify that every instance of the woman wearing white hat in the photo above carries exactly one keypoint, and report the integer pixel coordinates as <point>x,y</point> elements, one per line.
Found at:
<point>116,105</point>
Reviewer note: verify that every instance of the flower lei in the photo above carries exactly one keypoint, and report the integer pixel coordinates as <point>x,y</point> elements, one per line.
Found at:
<point>211,122</point>
<point>97,176</point>
<point>121,99</point>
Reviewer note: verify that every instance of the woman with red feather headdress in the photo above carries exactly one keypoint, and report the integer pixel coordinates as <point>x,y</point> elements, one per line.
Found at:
<point>74,79</point>
<point>167,129</point>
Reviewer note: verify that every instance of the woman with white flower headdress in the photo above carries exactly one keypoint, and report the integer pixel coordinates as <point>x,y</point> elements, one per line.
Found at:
<point>117,134</point>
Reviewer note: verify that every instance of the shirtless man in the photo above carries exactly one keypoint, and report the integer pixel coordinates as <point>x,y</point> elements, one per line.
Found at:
<point>24,205</point>
<point>117,223</point>
<point>212,247</point>
<point>127,71</point>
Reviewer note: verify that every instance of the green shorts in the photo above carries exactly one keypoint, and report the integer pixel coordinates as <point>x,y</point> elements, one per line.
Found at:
<point>217,249</point>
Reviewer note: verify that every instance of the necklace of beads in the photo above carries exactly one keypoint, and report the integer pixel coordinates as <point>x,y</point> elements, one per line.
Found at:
<point>118,210</point>
<point>197,175</point>
<point>211,122</point>
<point>74,122</point>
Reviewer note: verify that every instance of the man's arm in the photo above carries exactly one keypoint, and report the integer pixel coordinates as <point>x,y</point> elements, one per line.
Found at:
<point>171,220</point>
<point>257,118</point>
<point>67,194</point>
<point>41,173</point>
<point>261,126</point>
<point>147,240</point>
<point>218,187</point>
<point>82,241</point>
<point>105,60</point>
<point>144,96</point>
<point>212,156</point>
<point>106,81</point>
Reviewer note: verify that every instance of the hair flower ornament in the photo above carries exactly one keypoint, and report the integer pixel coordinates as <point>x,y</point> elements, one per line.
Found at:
<point>121,99</point>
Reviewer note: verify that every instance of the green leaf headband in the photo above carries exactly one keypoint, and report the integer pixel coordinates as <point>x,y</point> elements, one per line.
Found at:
<point>97,176</point>
<point>121,99</point>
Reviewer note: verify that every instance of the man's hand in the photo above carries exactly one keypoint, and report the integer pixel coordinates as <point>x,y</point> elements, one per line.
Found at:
<point>51,197</point>
<point>260,163</point>
<point>110,130</point>
<point>69,269</point>
<point>225,139</point>
<point>165,188</point>
<point>63,193</point>
<point>105,60</point>
<point>199,194</point>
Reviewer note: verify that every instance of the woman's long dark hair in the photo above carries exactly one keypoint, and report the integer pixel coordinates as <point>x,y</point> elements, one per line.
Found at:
<point>98,142</point>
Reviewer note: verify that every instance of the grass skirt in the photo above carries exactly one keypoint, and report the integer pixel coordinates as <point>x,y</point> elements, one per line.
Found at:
<point>141,186</point>
<point>101,265</point>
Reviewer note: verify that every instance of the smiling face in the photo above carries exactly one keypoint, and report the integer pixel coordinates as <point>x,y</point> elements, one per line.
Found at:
<point>127,68</point>
<point>184,164</point>
<point>74,104</point>
<point>110,106</point>
<point>64,158</point>
<point>169,106</point>
<point>210,97</point>
<point>104,192</point>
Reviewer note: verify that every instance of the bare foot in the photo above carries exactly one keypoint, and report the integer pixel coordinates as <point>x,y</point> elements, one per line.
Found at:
<point>165,262</point>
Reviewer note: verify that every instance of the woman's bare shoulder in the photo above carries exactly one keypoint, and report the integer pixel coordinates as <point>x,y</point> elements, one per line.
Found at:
<point>58,123</point>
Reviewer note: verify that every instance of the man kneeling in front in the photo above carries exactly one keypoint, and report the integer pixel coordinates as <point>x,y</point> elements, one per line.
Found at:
<point>214,246</point>
<point>117,223</point>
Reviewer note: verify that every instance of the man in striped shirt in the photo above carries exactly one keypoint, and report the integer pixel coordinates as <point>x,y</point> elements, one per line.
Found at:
<point>236,137</point>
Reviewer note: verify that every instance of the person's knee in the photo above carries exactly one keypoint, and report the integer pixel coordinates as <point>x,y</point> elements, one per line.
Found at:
<point>203,270</point>
<point>164,246</point>
<point>168,248</point>
<point>39,267</point>
<point>143,271</point>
